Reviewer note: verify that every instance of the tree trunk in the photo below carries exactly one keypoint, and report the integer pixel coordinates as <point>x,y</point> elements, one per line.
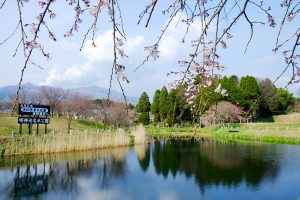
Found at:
<point>69,123</point>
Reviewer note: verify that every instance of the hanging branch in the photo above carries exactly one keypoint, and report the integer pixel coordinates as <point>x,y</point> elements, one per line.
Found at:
<point>15,30</point>
<point>93,26</point>
<point>118,69</point>
<point>2,4</point>
<point>29,45</point>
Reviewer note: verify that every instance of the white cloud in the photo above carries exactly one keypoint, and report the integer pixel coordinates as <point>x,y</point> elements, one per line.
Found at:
<point>171,46</point>
<point>103,50</point>
<point>168,195</point>
<point>89,191</point>
<point>97,62</point>
<point>76,75</point>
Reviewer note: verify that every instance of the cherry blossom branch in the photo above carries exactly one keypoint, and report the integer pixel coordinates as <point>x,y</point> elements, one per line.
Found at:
<point>93,26</point>
<point>117,43</point>
<point>282,22</point>
<point>31,49</point>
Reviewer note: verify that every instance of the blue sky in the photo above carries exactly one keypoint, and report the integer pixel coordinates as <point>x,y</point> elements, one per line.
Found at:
<point>69,67</point>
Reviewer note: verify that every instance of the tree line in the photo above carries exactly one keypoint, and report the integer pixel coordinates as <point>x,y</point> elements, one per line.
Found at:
<point>72,105</point>
<point>228,99</point>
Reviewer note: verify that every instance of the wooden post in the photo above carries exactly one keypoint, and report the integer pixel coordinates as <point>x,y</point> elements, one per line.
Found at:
<point>45,128</point>
<point>29,128</point>
<point>20,129</point>
<point>37,128</point>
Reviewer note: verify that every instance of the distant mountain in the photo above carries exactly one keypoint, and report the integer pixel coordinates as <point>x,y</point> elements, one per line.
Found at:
<point>12,89</point>
<point>93,92</point>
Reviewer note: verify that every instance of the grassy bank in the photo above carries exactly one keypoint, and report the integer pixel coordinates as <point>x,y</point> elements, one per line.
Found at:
<point>8,162</point>
<point>76,141</point>
<point>278,134</point>
<point>62,143</point>
<point>287,133</point>
<point>85,135</point>
<point>57,125</point>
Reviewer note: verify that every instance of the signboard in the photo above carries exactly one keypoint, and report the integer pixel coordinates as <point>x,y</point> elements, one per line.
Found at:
<point>33,120</point>
<point>30,114</point>
<point>30,109</point>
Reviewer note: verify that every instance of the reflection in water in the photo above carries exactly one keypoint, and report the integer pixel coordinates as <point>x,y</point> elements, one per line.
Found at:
<point>167,169</point>
<point>29,183</point>
<point>64,176</point>
<point>143,155</point>
<point>213,163</point>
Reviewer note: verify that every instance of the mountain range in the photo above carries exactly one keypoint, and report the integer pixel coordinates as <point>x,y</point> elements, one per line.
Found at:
<point>94,92</point>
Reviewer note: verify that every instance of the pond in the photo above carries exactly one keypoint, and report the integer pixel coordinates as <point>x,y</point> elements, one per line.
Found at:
<point>168,169</point>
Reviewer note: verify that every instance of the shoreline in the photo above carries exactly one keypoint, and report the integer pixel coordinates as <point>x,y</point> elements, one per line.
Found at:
<point>279,133</point>
<point>272,134</point>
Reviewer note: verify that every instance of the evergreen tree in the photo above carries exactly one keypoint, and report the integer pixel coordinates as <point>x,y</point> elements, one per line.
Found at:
<point>250,92</point>
<point>269,98</point>
<point>206,98</point>
<point>144,118</point>
<point>285,102</point>
<point>155,106</point>
<point>172,105</point>
<point>143,107</point>
<point>163,110</point>
<point>231,86</point>
<point>183,107</point>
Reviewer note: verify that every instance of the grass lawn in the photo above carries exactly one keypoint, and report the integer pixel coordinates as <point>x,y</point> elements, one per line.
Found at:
<point>59,125</point>
<point>287,132</point>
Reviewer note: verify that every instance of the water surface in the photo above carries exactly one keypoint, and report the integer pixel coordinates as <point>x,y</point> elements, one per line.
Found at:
<point>169,169</point>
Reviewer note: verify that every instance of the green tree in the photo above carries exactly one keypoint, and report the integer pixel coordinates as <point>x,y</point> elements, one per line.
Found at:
<point>231,86</point>
<point>155,106</point>
<point>172,107</point>
<point>286,101</point>
<point>144,118</point>
<point>163,109</point>
<point>269,98</point>
<point>250,92</point>
<point>131,106</point>
<point>205,98</point>
<point>143,107</point>
<point>296,107</point>
<point>183,107</point>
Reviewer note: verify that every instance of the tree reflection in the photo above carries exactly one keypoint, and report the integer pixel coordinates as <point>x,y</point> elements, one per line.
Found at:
<point>213,163</point>
<point>143,155</point>
<point>64,177</point>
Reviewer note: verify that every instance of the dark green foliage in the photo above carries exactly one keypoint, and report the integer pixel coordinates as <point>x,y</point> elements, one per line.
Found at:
<point>155,106</point>
<point>269,98</point>
<point>231,86</point>
<point>143,107</point>
<point>249,87</point>
<point>205,99</point>
<point>286,101</point>
<point>144,118</point>
<point>183,107</point>
<point>143,104</point>
<point>163,110</point>
<point>250,93</point>
<point>172,106</point>
<point>296,107</point>
<point>258,100</point>
<point>131,106</point>
<point>144,162</point>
